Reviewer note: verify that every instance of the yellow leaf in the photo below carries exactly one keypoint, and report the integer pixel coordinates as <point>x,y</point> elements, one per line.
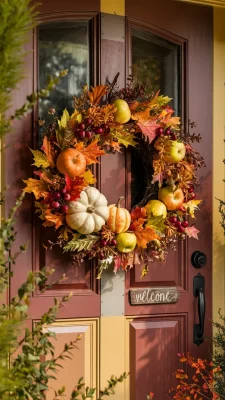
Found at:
<point>38,187</point>
<point>88,177</point>
<point>64,119</point>
<point>191,206</point>
<point>40,159</point>
<point>125,138</point>
<point>143,234</point>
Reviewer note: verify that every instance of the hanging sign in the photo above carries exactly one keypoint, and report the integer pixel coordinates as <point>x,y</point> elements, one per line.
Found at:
<point>153,296</point>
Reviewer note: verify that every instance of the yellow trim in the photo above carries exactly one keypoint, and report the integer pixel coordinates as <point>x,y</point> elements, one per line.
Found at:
<point>113,7</point>
<point>113,353</point>
<point>218,156</point>
<point>91,345</point>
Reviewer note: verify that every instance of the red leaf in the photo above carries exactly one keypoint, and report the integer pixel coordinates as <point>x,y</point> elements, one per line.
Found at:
<point>191,231</point>
<point>138,212</point>
<point>75,186</point>
<point>148,128</point>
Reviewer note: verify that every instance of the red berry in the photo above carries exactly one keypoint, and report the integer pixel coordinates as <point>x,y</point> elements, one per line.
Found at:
<point>184,224</point>
<point>57,195</point>
<point>103,243</point>
<point>160,131</point>
<point>63,191</point>
<point>88,121</point>
<point>55,204</point>
<point>99,130</point>
<point>106,128</point>
<point>180,229</point>
<point>191,190</point>
<point>81,126</point>
<point>88,134</point>
<point>81,134</point>
<point>113,242</point>
<point>173,220</point>
<point>177,223</point>
<point>192,196</point>
<point>64,209</point>
<point>168,131</point>
<point>67,196</point>
<point>173,136</point>
<point>101,256</point>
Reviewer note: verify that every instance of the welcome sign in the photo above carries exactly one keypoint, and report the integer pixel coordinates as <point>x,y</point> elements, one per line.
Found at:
<point>153,295</point>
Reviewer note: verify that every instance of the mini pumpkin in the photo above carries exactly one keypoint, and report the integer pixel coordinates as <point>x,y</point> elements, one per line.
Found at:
<point>119,218</point>
<point>71,162</point>
<point>89,213</point>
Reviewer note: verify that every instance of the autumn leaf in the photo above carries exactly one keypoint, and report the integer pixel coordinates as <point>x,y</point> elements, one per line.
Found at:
<point>63,121</point>
<point>46,147</point>
<point>138,212</point>
<point>148,129</point>
<point>90,152</point>
<point>145,234</point>
<point>158,178</point>
<point>191,206</point>
<point>53,219</point>
<point>97,93</point>
<point>75,186</point>
<point>120,261</point>
<point>40,209</point>
<point>36,186</point>
<point>89,177</point>
<point>157,223</point>
<point>191,231</point>
<point>144,271</point>
<point>125,138</point>
<point>40,159</point>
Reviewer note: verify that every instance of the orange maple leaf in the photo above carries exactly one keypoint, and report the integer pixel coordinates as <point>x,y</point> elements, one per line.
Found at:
<point>148,128</point>
<point>90,152</point>
<point>46,147</point>
<point>36,186</point>
<point>97,93</point>
<point>75,186</point>
<point>143,234</point>
<point>53,219</point>
<point>138,212</point>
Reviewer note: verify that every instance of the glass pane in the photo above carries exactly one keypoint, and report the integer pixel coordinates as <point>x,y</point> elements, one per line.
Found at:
<point>156,62</point>
<point>63,45</point>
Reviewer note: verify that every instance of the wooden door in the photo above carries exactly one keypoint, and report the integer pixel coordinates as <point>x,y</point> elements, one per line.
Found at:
<point>154,333</point>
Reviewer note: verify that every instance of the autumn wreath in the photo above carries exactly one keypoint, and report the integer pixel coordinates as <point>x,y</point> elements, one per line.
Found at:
<point>104,120</point>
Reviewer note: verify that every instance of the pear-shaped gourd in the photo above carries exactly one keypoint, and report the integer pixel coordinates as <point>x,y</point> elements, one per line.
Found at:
<point>119,218</point>
<point>122,114</point>
<point>89,213</point>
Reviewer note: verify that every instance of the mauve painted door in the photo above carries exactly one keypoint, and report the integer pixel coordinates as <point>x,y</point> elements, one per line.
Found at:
<point>158,332</point>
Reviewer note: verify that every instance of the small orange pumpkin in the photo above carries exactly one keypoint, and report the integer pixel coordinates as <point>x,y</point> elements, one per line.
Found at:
<point>119,218</point>
<point>71,162</point>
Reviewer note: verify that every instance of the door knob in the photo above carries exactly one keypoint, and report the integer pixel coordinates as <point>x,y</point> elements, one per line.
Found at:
<point>199,291</point>
<point>198,259</point>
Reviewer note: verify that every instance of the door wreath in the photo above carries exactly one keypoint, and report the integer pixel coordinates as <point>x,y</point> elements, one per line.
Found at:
<point>104,120</point>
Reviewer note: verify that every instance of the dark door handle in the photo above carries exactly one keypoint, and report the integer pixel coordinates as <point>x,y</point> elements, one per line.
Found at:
<point>199,287</point>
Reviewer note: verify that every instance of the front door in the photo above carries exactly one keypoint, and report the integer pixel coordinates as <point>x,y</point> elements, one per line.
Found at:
<point>169,45</point>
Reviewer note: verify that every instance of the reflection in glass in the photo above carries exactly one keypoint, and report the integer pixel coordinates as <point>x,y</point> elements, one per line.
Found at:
<point>63,45</point>
<point>156,62</point>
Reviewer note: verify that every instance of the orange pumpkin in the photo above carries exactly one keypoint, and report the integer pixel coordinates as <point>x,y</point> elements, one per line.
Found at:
<point>71,162</point>
<point>119,218</point>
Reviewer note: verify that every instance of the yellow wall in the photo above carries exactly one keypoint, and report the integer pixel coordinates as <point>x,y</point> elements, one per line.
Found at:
<point>218,156</point>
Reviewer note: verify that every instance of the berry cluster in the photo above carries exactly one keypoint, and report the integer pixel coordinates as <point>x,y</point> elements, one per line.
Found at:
<point>56,201</point>
<point>191,194</point>
<point>103,244</point>
<point>180,225</point>
<point>166,132</point>
<point>86,129</point>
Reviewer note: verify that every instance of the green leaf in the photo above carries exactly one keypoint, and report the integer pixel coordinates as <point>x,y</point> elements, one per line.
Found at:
<point>40,159</point>
<point>157,223</point>
<point>80,244</point>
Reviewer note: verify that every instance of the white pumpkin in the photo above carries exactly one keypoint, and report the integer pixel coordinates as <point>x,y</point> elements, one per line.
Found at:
<point>89,212</point>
